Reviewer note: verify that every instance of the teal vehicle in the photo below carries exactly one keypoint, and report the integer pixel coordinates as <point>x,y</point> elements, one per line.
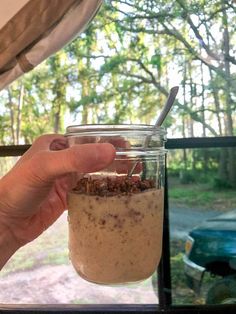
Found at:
<point>211,247</point>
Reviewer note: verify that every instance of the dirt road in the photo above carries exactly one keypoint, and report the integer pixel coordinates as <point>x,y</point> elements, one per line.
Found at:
<point>27,280</point>
<point>182,220</point>
<point>60,284</point>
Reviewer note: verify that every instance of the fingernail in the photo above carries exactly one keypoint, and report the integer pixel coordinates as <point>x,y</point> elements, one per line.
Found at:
<point>58,144</point>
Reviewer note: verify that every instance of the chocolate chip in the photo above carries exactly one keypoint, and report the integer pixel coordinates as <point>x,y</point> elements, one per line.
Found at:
<point>102,222</point>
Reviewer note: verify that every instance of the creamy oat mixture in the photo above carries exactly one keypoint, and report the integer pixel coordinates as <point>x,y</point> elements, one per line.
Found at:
<point>118,238</point>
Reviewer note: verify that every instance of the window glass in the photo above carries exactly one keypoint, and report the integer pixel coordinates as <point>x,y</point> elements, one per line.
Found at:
<point>120,70</point>
<point>202,202</point>
<point>6,163</point>
<point>41,273</point>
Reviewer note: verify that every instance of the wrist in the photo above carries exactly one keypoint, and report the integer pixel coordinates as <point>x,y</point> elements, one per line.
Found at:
<point>8,242</point>
<point>8,245</point>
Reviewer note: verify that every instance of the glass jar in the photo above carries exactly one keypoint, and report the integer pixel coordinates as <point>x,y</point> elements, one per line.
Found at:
<point>116,215</point>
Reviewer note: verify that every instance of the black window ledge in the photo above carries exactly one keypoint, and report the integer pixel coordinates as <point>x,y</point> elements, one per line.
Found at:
<point>108,309</point>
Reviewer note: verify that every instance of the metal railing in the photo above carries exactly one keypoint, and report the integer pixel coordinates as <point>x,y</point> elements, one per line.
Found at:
<point>164,271</point>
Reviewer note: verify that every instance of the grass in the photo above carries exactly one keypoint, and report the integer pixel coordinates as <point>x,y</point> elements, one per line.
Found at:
<point>51,248</point>
<point>57,258</point>
<point>202,195</point>
<point>181,294</point>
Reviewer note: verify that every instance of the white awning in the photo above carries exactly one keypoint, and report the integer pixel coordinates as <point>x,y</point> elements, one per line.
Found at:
<point>32,30</point>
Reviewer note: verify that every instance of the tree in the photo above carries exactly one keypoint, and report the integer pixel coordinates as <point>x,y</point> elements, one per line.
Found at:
<point>121,69</point>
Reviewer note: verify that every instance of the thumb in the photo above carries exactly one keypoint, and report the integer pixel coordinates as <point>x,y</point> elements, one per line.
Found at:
<point>85,158</point>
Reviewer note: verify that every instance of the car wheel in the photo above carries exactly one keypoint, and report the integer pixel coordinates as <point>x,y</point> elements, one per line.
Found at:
<point>223,291</point>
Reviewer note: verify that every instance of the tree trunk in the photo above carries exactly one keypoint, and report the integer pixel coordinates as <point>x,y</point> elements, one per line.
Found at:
<point>86,87</point>
<point>183,119</point>
<point>19,112</point>
<point>85,93</point>
<point>204,151</point>
<point>223,171</point>
<point>12,116</point>
<point>229,120</point>
<point>228,78</point>
<point>191,122</point>
<point>185,160</point>
<point>57,119</point>
<point>60,97</point>
<point>202,102</point>
<point>217,103</point>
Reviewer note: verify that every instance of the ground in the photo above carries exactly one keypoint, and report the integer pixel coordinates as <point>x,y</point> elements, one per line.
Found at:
<point>41,272</point>
<point>60,284</point>
<point>36,278</point>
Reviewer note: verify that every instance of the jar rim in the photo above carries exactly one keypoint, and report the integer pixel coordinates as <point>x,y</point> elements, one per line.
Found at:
<point>87,128</point>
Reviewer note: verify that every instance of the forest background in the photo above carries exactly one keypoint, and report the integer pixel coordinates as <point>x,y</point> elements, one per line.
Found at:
<point>120,71</point>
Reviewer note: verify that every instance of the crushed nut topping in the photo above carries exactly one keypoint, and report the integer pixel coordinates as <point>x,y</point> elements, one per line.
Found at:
<point>112,186</point>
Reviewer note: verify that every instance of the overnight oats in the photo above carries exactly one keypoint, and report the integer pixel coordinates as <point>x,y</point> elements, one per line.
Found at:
<point>116,220</point>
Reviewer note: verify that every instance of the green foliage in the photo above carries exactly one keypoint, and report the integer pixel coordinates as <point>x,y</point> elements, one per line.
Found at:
<point>120,70</point>
<point>112,65</point>
<point>178,271</point>
<point>93,98</point>
<point>156,60</point>
<point>187,176</point>
<point>219,183</point>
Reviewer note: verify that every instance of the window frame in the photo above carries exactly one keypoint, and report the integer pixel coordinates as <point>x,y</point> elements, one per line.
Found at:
<point>164,270</point>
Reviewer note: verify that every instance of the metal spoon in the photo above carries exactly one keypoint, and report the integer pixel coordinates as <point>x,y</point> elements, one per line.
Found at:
<point>169,102</point>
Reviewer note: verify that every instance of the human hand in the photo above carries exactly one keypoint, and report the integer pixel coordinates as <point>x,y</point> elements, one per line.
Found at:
<point>33,193</point>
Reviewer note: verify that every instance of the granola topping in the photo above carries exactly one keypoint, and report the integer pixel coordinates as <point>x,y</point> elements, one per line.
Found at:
<point>113,186</point>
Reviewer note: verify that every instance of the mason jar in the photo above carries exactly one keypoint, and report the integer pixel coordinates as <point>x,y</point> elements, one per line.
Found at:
<point>116,215</point>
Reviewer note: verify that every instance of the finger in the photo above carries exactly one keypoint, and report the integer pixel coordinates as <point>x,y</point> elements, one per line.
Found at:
<point>85,158</point>
<point>45,142</point>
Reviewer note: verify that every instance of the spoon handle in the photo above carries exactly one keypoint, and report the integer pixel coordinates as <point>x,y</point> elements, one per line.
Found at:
<point>169,102</point>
